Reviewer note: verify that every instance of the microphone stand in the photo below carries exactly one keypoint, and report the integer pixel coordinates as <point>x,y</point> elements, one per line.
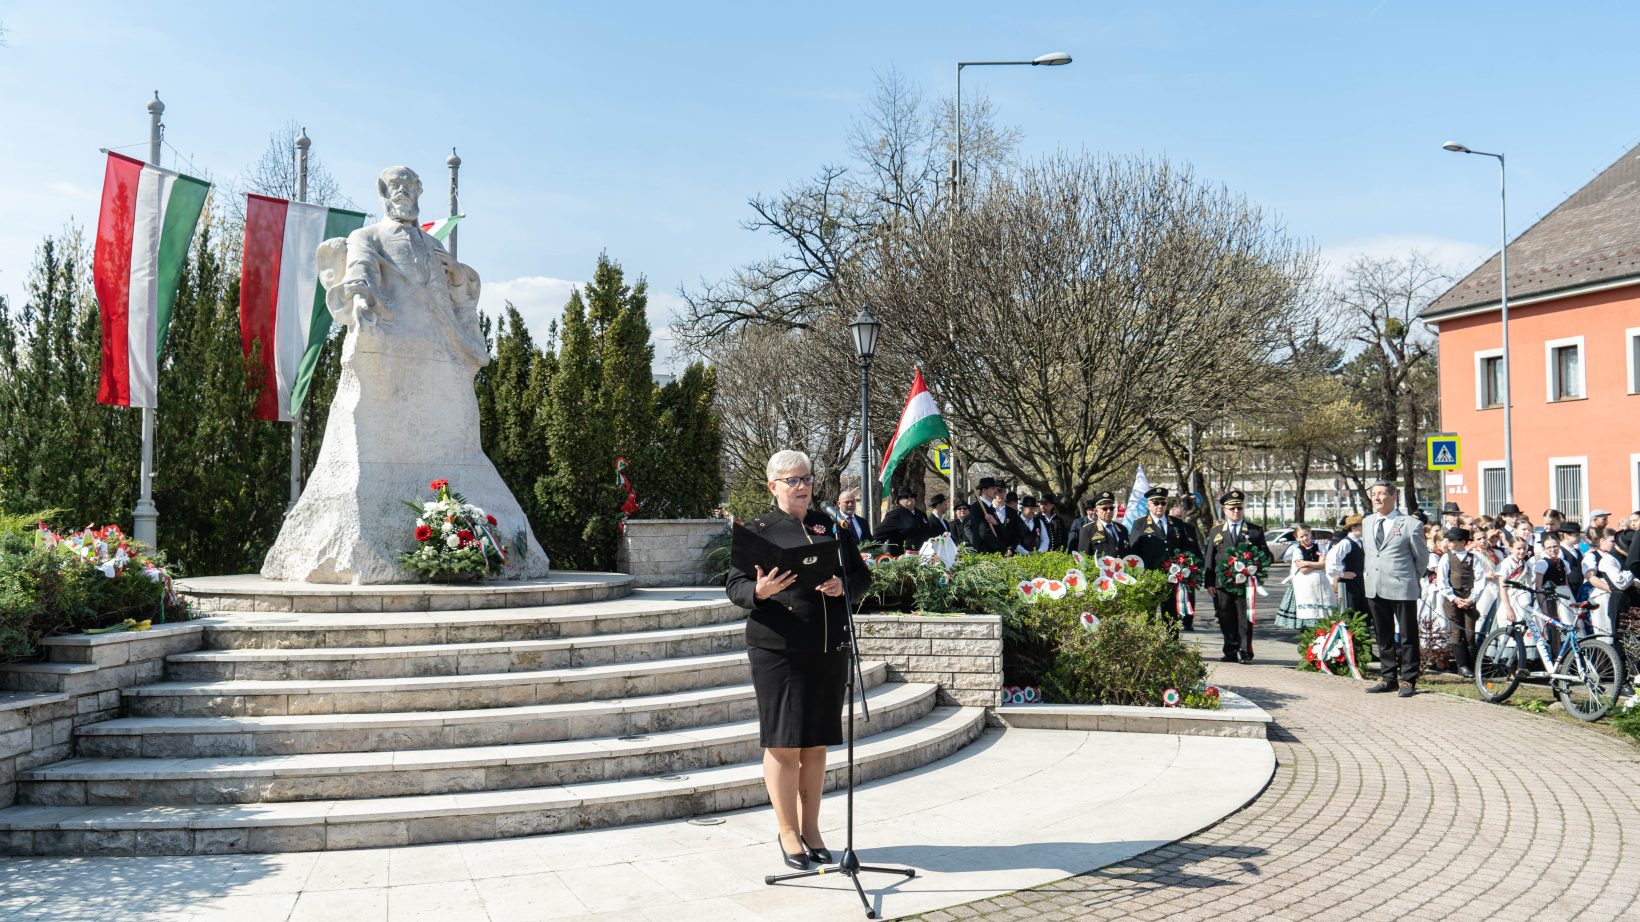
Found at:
<point>848,864</point>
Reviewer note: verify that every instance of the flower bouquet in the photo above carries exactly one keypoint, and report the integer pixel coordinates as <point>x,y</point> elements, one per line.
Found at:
<point>1181,572</point>
<point>455,541</point>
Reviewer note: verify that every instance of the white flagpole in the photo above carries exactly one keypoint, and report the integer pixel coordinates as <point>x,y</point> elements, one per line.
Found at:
<point>145,518</point>
<point>454,163</point>
<point>302,145</point>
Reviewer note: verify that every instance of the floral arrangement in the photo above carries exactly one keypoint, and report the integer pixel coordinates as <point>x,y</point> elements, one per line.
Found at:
<point>1338,646</point>
<point>1021,694</point>
<point>110,552</point>
<point>455,541</point>
<point>1183,568</point>
<point>1243,565</point>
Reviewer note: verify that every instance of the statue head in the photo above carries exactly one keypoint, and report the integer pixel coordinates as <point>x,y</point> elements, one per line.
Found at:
<point>400,188</point>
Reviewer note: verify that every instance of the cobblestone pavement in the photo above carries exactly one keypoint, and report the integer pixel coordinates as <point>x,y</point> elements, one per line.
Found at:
<point>1428,808</point>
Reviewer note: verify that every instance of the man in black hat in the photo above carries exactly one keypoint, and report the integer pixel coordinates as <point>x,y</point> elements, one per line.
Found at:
<point>1231,608</point>
<point>903,529</point>
<point>1451,515</point>
<point>960,525</point>
<point>1460,577</point>
<point>1510,513</point>
<point>987,524</point>
<point>1033,532</point>
<point>1073,541</point>
<point>1058,529</point>
<point>1157,537</point>
<point>1103,536</point>
<point>936,515</point>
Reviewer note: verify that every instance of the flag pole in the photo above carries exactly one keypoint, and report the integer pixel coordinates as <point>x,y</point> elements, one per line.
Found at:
<point>454,163</point>
<point>302,145</point>
<point>145,518</point>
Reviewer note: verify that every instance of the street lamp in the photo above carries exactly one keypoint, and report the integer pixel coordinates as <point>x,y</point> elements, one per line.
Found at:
<point>1503,300</point>
<point>1052,59</point>
<point>865,328</point>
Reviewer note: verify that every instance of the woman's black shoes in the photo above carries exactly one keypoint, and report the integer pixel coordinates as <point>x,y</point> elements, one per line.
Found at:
<point>797,862</point>
<point>816,855</point>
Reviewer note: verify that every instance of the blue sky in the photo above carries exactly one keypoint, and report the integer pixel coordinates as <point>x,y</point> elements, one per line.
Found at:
<point>642,128</point>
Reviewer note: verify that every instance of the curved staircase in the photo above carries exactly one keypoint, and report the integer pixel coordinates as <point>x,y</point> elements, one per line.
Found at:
<point>306,723</point>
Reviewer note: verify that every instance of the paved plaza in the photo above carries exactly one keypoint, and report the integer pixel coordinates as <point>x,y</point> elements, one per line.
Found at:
<point>1482,813</point>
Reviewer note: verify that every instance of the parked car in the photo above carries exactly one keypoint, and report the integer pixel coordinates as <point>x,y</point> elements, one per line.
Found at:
<point>1282,538</point>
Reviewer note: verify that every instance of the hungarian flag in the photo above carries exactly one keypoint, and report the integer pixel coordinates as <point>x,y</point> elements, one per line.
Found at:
<point>282,314</point>
<point>147,219</point>
<point>920,424</point>
<point>441,228</point>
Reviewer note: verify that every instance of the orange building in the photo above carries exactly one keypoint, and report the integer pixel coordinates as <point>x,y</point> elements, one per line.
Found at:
<point>1574,359</point>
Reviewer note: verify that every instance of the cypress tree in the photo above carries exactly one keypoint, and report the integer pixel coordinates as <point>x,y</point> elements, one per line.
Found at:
<point>577,495</point>
<point>687,476</point>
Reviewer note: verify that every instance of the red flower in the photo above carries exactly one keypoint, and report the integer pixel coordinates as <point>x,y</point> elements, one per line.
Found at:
<point>423,532</point>
<point>464,535</point>
<point>439,484</point>
<point>491,518</point>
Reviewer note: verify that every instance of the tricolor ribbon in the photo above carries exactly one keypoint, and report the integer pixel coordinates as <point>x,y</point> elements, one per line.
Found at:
<point>1328,648</point>
<point>1184,602</point>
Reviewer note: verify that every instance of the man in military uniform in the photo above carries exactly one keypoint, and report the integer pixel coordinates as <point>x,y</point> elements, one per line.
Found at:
<point>1058,529</point>
<point>1103,536</point>
<point>1157,537</point>
<point>1231,608</point>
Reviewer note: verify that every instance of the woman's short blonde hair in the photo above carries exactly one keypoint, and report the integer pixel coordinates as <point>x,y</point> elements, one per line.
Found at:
<point>786,463</point>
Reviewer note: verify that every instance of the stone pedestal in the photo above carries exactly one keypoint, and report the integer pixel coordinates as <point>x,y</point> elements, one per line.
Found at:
<point>667,552</point>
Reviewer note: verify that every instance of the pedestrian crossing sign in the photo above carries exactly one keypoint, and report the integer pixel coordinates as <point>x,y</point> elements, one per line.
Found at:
<point>939,455</point>
<point>1444,451</point>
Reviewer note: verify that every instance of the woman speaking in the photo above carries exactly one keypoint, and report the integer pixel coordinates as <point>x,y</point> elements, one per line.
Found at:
<point>798,643</point>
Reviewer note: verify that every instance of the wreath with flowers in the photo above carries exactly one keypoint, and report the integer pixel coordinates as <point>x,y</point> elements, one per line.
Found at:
<point>455,541</point>
<point>1183,569</point>
<point>1240,564</point>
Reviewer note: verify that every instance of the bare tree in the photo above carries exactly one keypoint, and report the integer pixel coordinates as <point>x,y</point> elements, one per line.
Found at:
<point>1383,299</point>
<point>274,173</point>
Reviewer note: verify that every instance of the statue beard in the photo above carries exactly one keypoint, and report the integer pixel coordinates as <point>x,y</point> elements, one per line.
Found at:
<point>404,210</point>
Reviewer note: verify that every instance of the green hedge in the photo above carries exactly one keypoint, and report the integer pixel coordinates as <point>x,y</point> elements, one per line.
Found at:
<point>1132,656</point>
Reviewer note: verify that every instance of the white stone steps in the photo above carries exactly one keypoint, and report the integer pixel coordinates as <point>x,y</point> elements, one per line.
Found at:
<point>335,776</point>
<point>445,659</point>
<point>381,822</point>
<point>249,592</point>
<point>643,609</point>
<point>201,737</point>
<point>435,693</point>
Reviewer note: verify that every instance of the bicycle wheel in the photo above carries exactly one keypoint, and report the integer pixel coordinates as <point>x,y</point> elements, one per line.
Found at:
<point>1496,666</point>
<point>1597,663</point>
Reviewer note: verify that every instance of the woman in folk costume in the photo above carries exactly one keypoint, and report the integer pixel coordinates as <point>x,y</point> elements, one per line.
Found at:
<point>1309,596</point>
<point>1603,573</point>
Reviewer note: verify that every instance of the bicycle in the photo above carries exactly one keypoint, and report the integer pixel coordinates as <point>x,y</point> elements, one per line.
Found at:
<point>1585,672</point>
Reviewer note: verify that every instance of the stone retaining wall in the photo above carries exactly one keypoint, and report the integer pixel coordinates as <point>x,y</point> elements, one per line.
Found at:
<point>667,552</point>
<point>963,653</point>
<point>41,704</point>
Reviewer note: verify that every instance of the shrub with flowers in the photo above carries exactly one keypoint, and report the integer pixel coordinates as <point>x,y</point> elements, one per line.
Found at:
<point>93,579</point>
<point>454,541</point>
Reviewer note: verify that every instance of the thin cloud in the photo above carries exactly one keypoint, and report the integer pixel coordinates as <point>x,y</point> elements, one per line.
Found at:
<point>1457,256</point>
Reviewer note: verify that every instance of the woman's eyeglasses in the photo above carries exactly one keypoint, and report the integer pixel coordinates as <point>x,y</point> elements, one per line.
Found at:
<point>807,480</point>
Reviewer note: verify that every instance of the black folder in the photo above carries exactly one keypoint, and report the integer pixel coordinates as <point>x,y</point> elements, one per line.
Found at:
<point>813,562</point>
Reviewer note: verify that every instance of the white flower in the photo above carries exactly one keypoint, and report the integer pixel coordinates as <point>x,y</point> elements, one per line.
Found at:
<point>426,550</point>
<point>453,541</point>
<point>447,528</point>
<point>421,522</point>
<point>429,508</point>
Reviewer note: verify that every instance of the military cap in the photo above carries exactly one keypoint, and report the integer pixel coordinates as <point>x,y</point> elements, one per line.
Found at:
<point>1233,498</point>
<point>1105,498</point>
<point>1156,493</point>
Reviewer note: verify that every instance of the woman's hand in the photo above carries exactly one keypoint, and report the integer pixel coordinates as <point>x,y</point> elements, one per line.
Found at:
<point>832,587</point>
<point>773,582</point>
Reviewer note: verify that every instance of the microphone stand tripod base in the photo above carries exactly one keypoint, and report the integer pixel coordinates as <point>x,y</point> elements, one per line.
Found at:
<point>849,866</point>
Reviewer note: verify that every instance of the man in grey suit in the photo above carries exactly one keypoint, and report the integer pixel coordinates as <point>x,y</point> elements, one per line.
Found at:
<point>1396,560</point>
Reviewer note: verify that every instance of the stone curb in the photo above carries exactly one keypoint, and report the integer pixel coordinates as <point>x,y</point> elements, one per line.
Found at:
<point>1237,717</point>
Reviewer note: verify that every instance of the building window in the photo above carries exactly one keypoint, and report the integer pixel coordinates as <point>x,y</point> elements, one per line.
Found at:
<point>1489,379</point>
<point>1494,487</point>
<point>1564,361</point>
<point>1632,338</point>
<point>1567,482</point>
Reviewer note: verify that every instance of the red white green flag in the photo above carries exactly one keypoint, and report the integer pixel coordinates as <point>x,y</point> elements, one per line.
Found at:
<point>282,315</point>
<point>920,423</point>
<point>441,228</point>
<point>147,219</point>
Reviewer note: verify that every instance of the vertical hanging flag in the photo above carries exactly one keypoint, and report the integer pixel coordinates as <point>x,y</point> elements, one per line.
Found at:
<point>441,228</point>
<point>147,219</point>
<point>920,423</point>
<point>1137,504</point>
<point>282,313</point>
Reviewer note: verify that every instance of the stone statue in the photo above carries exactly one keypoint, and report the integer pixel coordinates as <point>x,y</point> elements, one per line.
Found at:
<point>404,413</point>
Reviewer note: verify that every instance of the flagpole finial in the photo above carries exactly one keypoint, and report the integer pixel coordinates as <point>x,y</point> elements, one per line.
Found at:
<point>302,140</point>
<point>453,161</point>
<point>156,107</point>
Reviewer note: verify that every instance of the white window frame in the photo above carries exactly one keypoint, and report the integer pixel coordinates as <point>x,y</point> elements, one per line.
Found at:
<point>1634,481</point>
<point>1581,461</point>
<point>1631,341</point>
<point>1480,379</point>
<point>1549,369</point>
<point>1481,467</point>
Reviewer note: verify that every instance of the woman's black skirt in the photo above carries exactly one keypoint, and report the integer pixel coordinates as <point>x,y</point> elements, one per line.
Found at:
<point>799,697</point>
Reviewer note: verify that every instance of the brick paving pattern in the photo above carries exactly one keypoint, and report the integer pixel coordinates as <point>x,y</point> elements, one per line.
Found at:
<point>1475,812</point>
